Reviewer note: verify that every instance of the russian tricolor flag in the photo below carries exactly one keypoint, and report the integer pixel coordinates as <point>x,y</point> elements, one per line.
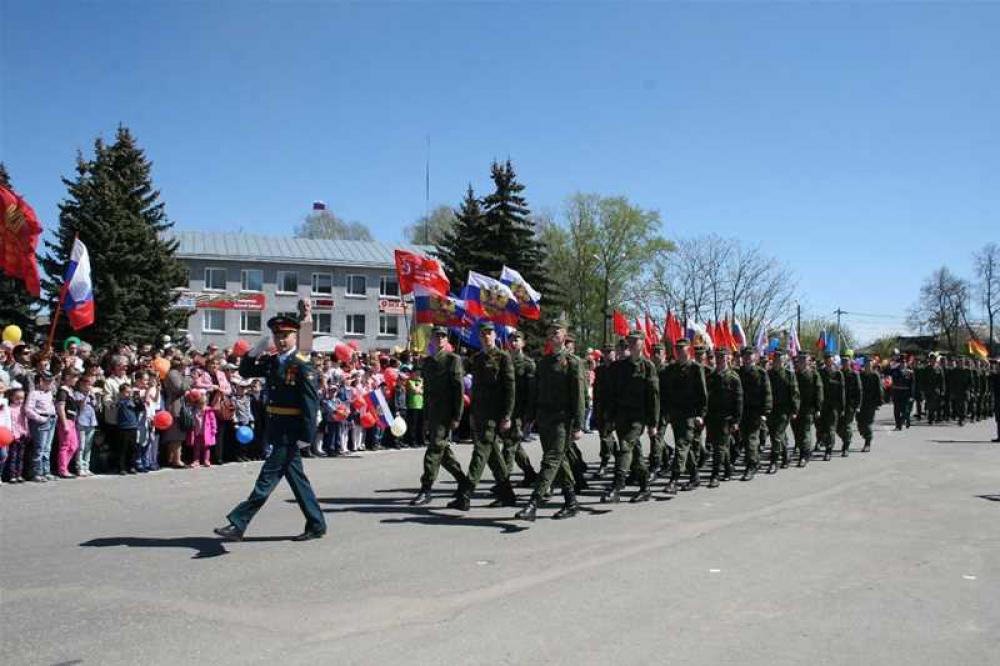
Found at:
<point>489,298</point>
<point>78,289</point>
<point>378,406</point>
<point>527,297</point>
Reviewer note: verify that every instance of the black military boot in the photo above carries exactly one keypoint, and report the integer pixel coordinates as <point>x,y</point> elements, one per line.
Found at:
<point>671,487</point>
<point>601,470</point>
<point>828,453</point>
<point>612,495</point>
<point>570,508</point>
<point>462,498</point>
<point>749,473</point>
<point>867,447</point>
<point>772,468</point>
<point>423,497</point>
<point>844,451</point>
<point>643,495</point>
<point>528,512</point>
<point>530,478</point>
<point>692,483</point>
<point>713,482</point>
<point>727,474</point>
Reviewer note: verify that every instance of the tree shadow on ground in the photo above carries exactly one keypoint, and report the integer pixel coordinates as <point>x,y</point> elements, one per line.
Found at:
<point>204,546</point>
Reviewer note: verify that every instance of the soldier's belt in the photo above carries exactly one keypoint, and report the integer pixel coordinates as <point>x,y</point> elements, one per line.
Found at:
<point>284,411</point>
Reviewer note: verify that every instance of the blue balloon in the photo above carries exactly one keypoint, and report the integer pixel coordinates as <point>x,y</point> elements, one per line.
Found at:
<point>244,434</point>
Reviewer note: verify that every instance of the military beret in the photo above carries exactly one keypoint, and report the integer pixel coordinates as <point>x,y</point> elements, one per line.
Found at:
<point>487,326</point>
<point>636,334</point>
<point>282,324</point>
<point>440,330</point>
<point>683,342</point>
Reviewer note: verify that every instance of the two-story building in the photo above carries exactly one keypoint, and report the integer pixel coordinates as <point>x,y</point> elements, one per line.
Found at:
<point>238,281</point>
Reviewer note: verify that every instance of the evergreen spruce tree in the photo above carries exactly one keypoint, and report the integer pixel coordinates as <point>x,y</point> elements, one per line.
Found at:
<point>113,207</point>
<point>15,301</point>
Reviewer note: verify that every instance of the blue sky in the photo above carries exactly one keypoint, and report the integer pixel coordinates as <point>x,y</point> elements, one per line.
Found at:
<point>858,142</point>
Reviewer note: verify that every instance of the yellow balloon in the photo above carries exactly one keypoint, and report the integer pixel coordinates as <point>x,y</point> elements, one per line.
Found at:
<point>12,334</point>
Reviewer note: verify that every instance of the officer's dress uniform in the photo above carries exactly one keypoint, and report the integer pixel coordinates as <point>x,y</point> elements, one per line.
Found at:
<point>292,403</point>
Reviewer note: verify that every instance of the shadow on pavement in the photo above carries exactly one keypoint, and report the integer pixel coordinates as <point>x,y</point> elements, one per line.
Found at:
<point>961,441</point>
<point>417,514</point>
<point>992,498</point>
<point>204,547</point>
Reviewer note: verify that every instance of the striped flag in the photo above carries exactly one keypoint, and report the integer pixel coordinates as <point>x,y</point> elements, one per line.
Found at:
<point>78,289</point>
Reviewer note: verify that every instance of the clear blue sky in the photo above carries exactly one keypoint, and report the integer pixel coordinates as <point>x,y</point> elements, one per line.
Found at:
<point>858,142</point>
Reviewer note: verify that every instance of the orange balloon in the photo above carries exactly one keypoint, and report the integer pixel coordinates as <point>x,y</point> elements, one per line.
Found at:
<point>162,367</point>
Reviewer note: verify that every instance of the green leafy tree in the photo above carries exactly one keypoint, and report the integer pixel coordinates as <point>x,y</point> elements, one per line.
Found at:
<point>16,304</point>
<point>431,229</point>
<point>323,224</point>
<point>112,206</point>
<point>810,329</point>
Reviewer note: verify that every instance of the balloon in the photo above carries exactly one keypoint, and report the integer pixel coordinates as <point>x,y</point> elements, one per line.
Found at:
<point>467,382</point>
<point>71,340</point>
<point>353,344</point>
<point>342,352</point>
<point>367,419</point>
<point>12,334</point>
<point>6,437</point>
<point>391,375</point>
<point>358,404</point>
<point>241,347</point>
<point>341,412</point>
<point>244,434</point>
<point>194,395</point>
<point>163,420</point>
<point>398,427</point>
<point>466,400</point>
<point>162,367</point>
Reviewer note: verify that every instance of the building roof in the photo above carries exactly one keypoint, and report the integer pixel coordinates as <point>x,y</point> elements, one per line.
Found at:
<point>281,249</point>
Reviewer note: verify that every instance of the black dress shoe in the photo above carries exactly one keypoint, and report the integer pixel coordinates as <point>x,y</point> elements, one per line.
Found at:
<point>308,535</point>
<point>423,497</point>
<point>713,482</point>
<point>772,468</point>
<point>671,488</point>
<point>826,456</point>
<point>229,532</point>
<point>642,496</point>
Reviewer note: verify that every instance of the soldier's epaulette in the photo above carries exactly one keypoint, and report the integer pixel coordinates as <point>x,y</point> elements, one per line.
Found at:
<point>303,357</point>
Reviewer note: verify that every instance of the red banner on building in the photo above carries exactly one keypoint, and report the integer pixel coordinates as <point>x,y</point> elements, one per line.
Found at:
<point>19,232</point>
<point>190,300</point>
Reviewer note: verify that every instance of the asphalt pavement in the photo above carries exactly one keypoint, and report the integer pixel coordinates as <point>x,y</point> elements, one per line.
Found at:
<point>888,557</point>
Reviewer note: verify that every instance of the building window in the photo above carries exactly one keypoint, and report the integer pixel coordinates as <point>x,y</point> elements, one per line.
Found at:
<point>356,285</point>
<point>322,322</point>
<point>251,279</point>
<point>355,324</point>
<point>388,287</point>
<point>215,279</point>
<point>288,282</point>
<point>250,321</point>
<point>214,321</point>
<point>388,325</point>
<point>322,283</point>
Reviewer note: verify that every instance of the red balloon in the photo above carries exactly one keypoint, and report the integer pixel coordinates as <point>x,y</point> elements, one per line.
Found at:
<point>6,437</point>
<point>194,395</point>
<point>367,420</point>
<point>390,375</point>
<point>342,352</point>
<point>353,345</point>
<point>466,399</point>
<point>163,420</point>
<point>358,404</point>
<point>241,347</point>
<point>341,413</point>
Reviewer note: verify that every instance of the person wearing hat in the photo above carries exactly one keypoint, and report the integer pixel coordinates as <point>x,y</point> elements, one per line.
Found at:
<point>994,384</point>
<point>903,382</point>
<point>491,408</point>
<point>931,382</point>
<point>757,404</point>
<point>810,407</point>
<point>853,392</point>
<point>524,396</point>
<point>657,444</point>
<point>785,404</point>
<point>558,413</point>
<point>292,405</point>
<point>833,403</point>
<point>687,399</point>
<point>636,393</point>
<point>723,414</point>
<point>872,396</point>
<point>573,453</point>
<point>602,408</point>
<point>444,392</point>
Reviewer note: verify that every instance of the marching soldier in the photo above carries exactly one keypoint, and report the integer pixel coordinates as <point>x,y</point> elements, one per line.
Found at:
<point>293,401</point>
<point>687,399</point>
<point>931,384</point>
<point>443,405</point>
<point>636,405</point>
<point>558,415</point>
<point>902,392</point>
<point>995,392</point>
<point>573,452</point>
<point>810,407</point>
<point>833,403</point>
<point>524,398</point>
<point>785,396</point>
<point>492,405</point>
<point>602,408</point>
<point>852,400</point>
<point>757,403</point>
<point>657,440</point>
<point>872,396</point>
<point>725,408</point>
<point>698,447</point>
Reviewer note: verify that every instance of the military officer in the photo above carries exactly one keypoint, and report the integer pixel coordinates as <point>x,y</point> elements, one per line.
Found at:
<point>757,404</point>
<point>931,383</point>
<point>491,409</point>
<point>636,405</point>
<point>687,399</point>
<point>903,382</point>
<point>724,411</point>
<point>872,396</point>
<point>810,407</point>
<point>852,400</point>
<point>558,414</point>
<point>833,403</point>
<point>442,373</point>
<point>293,401</point>
<point>785,395</point>
<point>524,392</point>
<point>994,383</point>
<point>602,408</point>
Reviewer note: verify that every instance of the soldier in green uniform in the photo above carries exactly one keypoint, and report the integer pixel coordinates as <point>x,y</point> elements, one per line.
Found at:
<point>920,377</point>
<point>903,381</point>
<point>872,396</point>
<point>602,408</point>
<point>636,405</point>
<point>657,440</point>
<point>833,403</point>
<point>852,400</point>
<point>687,399</point>
<point>443,405</point>
<point>724,411</point>
<point>558,415</point>
<point>666,451</point>
<point>994,383</point>
<point>699,449</point>
<point>785,396</point>
<point>810,407</point>
<point>491,408</point>
<point>757,404</point>
<point>573,452</point>
<point>524,398</point>
<point>959,379</point>
<point>292,403</point>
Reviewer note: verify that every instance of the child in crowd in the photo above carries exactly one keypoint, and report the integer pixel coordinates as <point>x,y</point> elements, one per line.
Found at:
<point>242,416</point>
<point>201,438</point>
<point>19,428</point>
<point>330,426</point>
<point>86,422</point>
<point>6,421</point>
<point>66,411</point>
<point>131,412</point>
<point>415,408</point>
<point>41,411</point>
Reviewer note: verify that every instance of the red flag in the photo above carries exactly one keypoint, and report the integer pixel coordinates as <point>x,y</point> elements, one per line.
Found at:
<point>619,324</point>
<point>650,336</point>
<point>414,269</point>
<point>668,329</point>
<point>19,232</point>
